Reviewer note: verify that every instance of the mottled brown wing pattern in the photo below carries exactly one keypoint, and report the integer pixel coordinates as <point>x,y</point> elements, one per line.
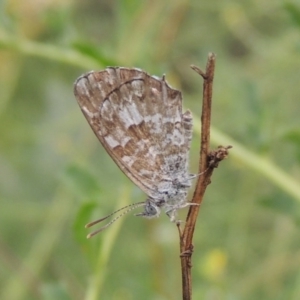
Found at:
<point>138,119</point>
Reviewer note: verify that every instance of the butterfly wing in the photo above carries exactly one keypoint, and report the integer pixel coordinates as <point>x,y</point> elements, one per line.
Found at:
<point>138,119</point>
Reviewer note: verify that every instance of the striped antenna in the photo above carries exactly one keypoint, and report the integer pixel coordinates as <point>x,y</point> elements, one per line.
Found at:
<point>128,208</point>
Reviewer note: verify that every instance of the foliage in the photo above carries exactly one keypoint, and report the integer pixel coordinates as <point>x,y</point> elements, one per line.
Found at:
<point>55,176</point>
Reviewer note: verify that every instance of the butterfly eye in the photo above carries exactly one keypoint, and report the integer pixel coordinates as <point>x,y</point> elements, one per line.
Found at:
<point>151,210</point>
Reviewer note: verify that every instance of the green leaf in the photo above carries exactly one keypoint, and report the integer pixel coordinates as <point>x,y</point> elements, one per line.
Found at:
<point>82,218</point>
<point>294,12</point>
<point>82,182</point>
<point>94,52</point>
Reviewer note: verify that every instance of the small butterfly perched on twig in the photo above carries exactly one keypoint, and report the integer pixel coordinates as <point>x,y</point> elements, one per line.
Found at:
<point>139,121</point>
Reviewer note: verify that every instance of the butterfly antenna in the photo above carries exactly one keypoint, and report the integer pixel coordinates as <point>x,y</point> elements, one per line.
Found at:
<point>199,174</point>
<point>129,209</point>
<point>116,211</point>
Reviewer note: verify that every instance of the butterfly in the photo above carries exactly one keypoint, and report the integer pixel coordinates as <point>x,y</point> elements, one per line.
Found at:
<point>139,121</point>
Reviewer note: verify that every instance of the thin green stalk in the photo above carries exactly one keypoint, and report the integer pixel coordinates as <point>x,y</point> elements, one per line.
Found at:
<point>109,238</point>
<point>67,56</point>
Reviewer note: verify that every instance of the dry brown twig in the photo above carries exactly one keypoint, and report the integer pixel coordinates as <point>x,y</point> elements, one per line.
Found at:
<point>209,160</point>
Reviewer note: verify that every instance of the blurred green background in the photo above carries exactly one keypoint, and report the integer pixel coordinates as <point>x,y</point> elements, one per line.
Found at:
<point>55,175</point>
